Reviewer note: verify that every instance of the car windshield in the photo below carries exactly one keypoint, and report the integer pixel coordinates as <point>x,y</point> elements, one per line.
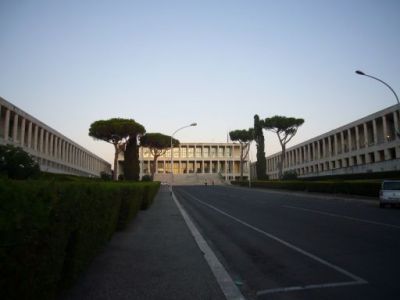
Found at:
<point>391,185</point>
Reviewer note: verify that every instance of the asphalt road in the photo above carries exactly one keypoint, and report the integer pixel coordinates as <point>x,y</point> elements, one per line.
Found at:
<point>279,245</point>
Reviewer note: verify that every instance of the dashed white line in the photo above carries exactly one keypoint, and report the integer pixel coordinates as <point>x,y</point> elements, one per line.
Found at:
<point>341,216</point>
<point>308,287</point>
<point>356,279</point>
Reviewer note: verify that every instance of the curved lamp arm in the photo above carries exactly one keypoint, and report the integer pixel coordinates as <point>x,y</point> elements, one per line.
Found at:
<point>380,80</point>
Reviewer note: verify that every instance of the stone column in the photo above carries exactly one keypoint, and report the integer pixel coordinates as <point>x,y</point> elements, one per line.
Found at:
<point>342,141</point>
<point>335,143</point>
<point>15,129</point>
<point>357,138</point>
<point>29,134</point>
<point>41,141</point>
<point>51,145</point>
<point>59,155</point>
<point>68,155</point>
<point>35,138</point>
<point>385,131</point>
<point>375,131</point>
<point>366,140</point>
<point>46,143</point>
<point>7,125</point>
<point>396,125</point>
<point>22,132</point>
<point>329,147</point>
<point>349,140</point>
<point>61,143</point>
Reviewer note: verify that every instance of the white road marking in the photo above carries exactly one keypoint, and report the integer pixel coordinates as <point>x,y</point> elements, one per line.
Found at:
<point>228,287</point>
<point>341,216</point>
<point>356,279</point>
<point>307,287</point>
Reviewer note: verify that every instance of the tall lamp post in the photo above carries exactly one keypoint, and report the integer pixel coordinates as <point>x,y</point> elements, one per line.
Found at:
<point>172,161</point>
<point>358,72</point>
<point>362,73</point>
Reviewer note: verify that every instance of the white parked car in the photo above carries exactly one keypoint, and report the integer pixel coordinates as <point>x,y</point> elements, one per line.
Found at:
<point>389,193</point>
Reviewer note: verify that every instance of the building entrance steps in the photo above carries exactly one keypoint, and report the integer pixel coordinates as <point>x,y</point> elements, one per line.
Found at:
<point>156,257</point>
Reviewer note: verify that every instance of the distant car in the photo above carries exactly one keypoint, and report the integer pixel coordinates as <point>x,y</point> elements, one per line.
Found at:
<point>389,193</point>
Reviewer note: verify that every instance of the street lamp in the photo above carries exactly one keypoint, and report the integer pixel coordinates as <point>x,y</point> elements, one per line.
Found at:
<point>362,73</point>
<point>358,72</point>
<point>172,136</point>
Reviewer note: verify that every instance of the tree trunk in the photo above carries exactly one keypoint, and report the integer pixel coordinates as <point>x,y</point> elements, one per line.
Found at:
<point>280,174</point>
<point>153,167</point>
<point>115,174</point>
<point>241,162</point>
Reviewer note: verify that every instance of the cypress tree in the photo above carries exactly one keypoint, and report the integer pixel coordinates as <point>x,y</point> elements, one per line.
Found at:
<point>131,160</point>
<point>261,164</point>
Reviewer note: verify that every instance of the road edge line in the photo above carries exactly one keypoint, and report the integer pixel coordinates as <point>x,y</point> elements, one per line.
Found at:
<point>224,280</point>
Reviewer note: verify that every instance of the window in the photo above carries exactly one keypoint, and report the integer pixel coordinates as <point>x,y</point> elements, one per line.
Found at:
<point>229,152</point>
<point>198,152</point>
<point>176,152</point>
<point>191,152</point>
<point>220,152</point>
<point>183,152</point>
<point>206,151</point>
<point>213,152</point>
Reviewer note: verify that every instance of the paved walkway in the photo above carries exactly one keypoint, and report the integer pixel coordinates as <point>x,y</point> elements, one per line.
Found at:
<point>156,257</point>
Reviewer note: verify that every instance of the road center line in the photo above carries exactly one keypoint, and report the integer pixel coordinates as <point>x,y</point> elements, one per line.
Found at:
<point>357,279</point>
<point>341,216</point>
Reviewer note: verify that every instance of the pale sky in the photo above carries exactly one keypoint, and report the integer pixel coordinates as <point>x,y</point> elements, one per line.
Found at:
<point>167,64</point>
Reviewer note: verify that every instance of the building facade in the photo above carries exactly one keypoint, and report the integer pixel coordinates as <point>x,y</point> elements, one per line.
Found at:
<point>53,151</point>
<point>196,158</point>
<point>370,144</point>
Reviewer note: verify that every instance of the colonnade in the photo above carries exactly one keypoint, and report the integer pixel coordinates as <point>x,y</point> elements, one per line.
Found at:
<point>53,151</point>
<point>366,141</point>
<point>201,158</point>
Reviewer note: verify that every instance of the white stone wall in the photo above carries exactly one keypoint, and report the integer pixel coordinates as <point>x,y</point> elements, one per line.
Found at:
<point>370,144</point>
<point>54,152</point>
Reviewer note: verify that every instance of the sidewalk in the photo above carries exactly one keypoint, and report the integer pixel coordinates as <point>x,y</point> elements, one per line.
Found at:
<point>156,257</point>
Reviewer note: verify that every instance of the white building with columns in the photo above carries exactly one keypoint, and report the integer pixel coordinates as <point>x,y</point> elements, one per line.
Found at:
<point>221,159</point>
<point>370,144</point>
<point>54,152</point>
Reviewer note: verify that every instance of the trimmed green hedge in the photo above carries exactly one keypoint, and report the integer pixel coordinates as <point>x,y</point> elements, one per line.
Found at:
<point>353,187</point>
<point>50,230</point>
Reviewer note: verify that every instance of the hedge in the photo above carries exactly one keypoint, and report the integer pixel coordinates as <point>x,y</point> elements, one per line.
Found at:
<point>368,188</point>
<point>50,230</point>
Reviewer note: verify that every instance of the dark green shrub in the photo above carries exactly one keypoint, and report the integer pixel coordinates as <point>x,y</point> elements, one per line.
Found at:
<point>50,230</point>
<point>132,197</point>
<point>289,175</point>
<point>105,176</point>
<point>15,163</point>
<point>150,191</point>
<point>147,178</point>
